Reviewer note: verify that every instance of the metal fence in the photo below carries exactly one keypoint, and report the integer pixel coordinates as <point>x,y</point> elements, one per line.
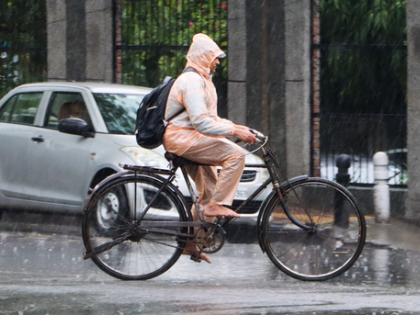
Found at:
<point>362,54</point>
<point>23,43</point>
<point>363,109</point>
<point>360,136</point>
<point>156,35</point>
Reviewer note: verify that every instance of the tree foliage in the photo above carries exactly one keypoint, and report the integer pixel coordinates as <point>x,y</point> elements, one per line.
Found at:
<point>162,30</point>
<point>365,72</point>
<point>22,42</point>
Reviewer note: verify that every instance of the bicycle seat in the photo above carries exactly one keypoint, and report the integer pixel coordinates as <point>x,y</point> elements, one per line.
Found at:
<point>180,161</point>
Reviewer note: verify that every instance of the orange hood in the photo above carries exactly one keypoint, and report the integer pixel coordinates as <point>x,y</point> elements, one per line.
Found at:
<point>202,53</point>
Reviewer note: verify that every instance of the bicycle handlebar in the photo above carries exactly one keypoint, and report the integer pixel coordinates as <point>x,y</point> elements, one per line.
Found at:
<point>260,136</point>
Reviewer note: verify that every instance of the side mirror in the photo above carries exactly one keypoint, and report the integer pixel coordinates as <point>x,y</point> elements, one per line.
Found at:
<point>75,126</point>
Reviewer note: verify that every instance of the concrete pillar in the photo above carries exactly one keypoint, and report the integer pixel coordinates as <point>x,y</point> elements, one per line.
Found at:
<point>298,86</point>
<point>80,40</point>
<point>381,199</point>
<point>99,41</point>
<point>56,40</point>
<point>75,40</point>
<point>269,75</point>
<point>237,61</point>
<point>413,109</point>
<point>256,68</point>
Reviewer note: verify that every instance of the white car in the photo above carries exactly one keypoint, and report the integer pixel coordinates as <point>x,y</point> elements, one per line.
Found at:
<point>42,168</point>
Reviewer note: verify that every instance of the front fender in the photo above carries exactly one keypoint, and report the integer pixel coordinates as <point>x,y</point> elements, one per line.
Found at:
<point>264,207</point>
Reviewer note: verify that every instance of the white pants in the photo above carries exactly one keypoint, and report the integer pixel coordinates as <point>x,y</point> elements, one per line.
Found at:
<point>217,151</point>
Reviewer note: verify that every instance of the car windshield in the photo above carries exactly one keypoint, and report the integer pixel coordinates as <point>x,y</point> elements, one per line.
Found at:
<point>119,111</point>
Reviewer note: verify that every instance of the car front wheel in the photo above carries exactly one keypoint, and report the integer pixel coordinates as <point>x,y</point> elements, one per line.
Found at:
<point>111,211</point>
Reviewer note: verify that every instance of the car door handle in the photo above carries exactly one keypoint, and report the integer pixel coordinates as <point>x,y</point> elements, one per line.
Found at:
<point>38,139</point>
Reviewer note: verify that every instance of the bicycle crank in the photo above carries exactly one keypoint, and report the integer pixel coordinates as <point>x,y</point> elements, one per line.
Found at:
<point>210,239</point>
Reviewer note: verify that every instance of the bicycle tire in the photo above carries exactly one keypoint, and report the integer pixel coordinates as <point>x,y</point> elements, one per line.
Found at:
<point>337,238</point>
<point>147,255</point>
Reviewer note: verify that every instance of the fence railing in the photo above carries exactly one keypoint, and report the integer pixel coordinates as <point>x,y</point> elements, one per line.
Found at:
<point>156,34</point>
<point>360,137</point>
<point>23,43</point>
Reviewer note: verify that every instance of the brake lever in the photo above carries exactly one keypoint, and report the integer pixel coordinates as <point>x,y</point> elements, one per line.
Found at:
<point>260,136</point>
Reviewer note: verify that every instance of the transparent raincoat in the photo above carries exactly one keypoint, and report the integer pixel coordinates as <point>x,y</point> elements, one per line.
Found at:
<point>199,134</point>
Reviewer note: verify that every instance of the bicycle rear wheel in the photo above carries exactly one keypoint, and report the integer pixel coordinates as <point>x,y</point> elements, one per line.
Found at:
<point>336,237</point>
<point>138,254</point>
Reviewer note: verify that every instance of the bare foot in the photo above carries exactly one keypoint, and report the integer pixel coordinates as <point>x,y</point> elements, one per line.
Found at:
<point>191,249</point>
<point>215,210</point>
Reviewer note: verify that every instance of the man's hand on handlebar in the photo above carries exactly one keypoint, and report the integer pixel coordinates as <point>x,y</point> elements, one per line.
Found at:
<point>244,134</point>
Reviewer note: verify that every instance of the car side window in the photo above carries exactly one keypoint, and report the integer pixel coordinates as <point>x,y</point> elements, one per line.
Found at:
<point>21,108</point>
<point>6,110</point>
<point>65,105</point>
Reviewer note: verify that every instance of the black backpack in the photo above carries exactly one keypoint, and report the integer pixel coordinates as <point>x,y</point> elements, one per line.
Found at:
<point>151,123</point>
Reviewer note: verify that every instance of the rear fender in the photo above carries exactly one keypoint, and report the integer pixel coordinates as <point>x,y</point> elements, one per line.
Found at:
<point>130,173</point>
<point>265,206</point>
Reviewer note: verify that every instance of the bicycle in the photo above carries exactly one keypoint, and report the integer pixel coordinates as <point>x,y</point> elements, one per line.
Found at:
<point>311,228</point>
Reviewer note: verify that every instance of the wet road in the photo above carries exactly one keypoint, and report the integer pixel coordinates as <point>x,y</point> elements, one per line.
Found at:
<point>45,274</point>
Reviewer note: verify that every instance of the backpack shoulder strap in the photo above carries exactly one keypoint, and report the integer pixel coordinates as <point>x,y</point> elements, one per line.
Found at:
<point>188,69</point>
<point>176,114</point>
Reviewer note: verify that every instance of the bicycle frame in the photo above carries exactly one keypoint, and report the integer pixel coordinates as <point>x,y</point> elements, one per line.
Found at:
<point>271,164</point>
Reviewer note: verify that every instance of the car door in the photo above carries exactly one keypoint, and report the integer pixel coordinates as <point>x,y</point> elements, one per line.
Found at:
<point>59,161</point>
<point>17,117</point>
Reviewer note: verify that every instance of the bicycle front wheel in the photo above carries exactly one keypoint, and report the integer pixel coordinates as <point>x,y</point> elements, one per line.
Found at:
<point>335,234</point>
<point>133,251</point>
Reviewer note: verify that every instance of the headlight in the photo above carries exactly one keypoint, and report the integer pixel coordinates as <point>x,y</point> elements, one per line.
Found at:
<point>145,157</point>
<point>264,174</point>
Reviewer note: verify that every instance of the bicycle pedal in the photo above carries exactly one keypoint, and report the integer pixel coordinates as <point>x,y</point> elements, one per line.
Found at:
<point>196,259</point>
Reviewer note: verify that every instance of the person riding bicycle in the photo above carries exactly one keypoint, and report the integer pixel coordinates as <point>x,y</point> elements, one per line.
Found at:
<point>199,134</point>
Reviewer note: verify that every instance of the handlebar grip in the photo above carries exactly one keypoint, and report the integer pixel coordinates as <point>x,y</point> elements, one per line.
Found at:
<point>259,135</point>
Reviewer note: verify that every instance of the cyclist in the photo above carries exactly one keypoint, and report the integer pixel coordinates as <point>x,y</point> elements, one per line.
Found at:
<point>199,134</point>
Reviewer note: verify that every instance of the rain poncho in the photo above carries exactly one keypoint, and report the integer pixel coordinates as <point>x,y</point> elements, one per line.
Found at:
<point>199,134</point>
